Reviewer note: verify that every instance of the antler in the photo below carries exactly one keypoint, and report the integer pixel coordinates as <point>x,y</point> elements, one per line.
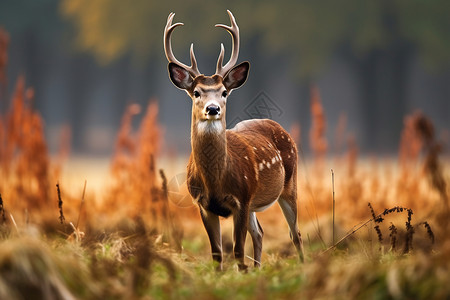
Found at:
<point>234,31</point>
<point>193,70</point>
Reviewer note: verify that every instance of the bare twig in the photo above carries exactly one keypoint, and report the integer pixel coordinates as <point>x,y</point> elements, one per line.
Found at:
<point>347,235</point>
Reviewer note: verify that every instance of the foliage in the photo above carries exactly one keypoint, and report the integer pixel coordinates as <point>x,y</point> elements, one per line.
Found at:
<point>135,245</point>
<point>132,249</point>
<point>312,30</point>
<point>117,267</point>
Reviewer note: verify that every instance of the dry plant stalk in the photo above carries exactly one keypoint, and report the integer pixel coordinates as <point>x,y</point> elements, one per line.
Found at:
<point>317,132</point>
<point>377,219</point>
<point>393,235</point>
<point>60,205</point>
<point>334,202</point>
<point>133,165</point>
<point>419,134</point>
<point>410,143</point>
<point>409,233</point>
<point>2,210</point>
<point>24,159</point>
<point>125,147</point>
<point>134,170</point>
<point>429,231</point>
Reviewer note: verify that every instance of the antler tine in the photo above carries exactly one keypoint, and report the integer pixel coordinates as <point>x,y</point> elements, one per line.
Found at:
<point>193,69</point>
<point>234,31</point>
<point>220,59</point>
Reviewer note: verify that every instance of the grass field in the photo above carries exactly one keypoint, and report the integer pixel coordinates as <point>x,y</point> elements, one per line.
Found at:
<point>126,228</point>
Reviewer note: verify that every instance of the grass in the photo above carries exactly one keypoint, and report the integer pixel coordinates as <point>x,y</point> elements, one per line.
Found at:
<point>131,240</point>
<point>112,268</point>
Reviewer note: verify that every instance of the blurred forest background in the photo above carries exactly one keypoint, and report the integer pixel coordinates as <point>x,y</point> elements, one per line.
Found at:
<point>373,62</point>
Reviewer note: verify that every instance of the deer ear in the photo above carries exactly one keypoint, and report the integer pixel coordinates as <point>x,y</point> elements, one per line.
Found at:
<point>237,76</point>
<point>180,77</point>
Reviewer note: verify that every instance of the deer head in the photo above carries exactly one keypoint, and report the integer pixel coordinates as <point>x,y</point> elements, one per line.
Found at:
<point>208,93</point>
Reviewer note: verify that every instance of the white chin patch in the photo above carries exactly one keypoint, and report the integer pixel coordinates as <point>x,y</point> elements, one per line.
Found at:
<point>209,126</point>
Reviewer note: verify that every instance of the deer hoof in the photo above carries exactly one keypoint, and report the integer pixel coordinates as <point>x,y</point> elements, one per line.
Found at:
<point>243,268</point>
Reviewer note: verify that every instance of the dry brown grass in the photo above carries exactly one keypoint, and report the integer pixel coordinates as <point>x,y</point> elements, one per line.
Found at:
<point>135,176</point>
<point>24,160</point>
<point>119,240</point>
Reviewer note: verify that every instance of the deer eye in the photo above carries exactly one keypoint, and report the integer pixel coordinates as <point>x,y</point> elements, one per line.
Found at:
<point>196,94</point>
<point>224,94</point>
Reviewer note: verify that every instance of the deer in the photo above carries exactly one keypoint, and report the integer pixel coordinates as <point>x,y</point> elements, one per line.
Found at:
<point>234,172</point>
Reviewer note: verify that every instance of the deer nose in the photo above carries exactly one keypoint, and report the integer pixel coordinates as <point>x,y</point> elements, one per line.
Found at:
<point>212,110</point>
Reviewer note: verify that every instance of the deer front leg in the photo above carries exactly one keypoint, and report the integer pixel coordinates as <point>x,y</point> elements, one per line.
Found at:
<point>240,219</point>
<point>212,226</point>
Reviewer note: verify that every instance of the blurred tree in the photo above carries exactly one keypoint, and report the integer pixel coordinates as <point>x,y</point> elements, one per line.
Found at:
<point>378,39</point>
<point>311,30</point>
<point>32,26</point>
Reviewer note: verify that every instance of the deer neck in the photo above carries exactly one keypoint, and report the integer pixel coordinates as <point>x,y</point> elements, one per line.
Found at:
<point>209,150</point>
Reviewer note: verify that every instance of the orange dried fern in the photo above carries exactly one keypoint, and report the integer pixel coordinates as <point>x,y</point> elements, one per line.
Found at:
<point>317,138</point>
<point>25,160</point>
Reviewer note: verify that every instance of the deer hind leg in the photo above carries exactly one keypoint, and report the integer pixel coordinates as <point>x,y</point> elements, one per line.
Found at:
<point>256,232</point>
<point>289,208</point>
<point>212,226</point>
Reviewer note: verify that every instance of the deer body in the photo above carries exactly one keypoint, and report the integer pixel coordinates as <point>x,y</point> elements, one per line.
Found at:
<point>254,161</point>
<point>239,171</point>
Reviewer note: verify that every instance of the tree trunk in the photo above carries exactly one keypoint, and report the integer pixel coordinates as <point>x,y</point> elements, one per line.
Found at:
<point>383,84</point>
